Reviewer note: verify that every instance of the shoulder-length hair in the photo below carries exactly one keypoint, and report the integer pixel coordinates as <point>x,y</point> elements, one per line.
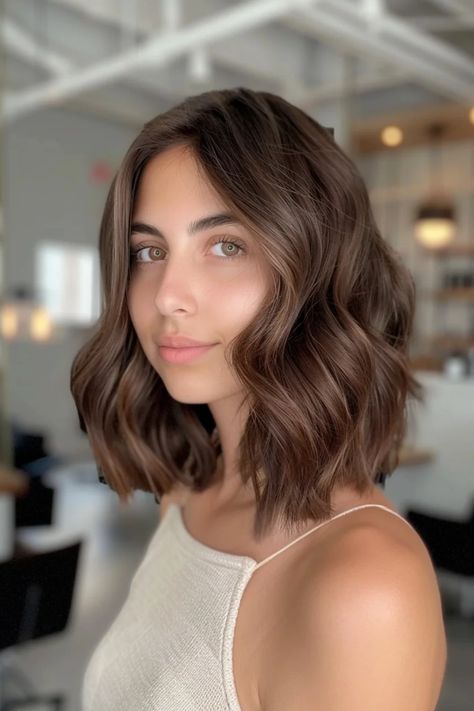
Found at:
<point>324,365</point>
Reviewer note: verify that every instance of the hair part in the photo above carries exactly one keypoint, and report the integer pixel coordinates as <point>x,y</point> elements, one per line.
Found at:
<point>324,365</point>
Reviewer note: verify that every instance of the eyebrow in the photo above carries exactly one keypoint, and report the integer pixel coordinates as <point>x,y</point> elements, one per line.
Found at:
<point>204,223</point>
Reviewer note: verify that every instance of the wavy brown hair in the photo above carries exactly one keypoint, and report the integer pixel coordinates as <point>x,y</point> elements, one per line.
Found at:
<point>324,366</point>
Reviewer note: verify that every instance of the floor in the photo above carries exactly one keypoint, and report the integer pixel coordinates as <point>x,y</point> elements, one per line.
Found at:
<point>114,539</point>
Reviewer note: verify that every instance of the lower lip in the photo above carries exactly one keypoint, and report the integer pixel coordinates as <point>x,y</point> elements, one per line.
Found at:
<point>183,355</point>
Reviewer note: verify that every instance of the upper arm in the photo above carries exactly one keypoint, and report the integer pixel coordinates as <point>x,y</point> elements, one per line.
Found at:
<point>371,634</point>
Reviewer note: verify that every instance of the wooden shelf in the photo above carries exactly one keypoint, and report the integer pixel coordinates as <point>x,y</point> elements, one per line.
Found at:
<point>13,481</point>
<point>455,250</point>
<point>427,362</point>
<point>448,342</point>
<point>409,456</point>
<point>459,294</point>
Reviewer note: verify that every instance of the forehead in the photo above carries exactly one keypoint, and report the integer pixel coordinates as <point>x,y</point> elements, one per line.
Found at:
<point>174,180</point>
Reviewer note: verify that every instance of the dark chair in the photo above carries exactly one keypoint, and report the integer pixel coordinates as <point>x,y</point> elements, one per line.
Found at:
<point>30,455</point>
<point>35,508</point>
<point>450,542</point>
<point>451,546</point>
<point>36,592</point>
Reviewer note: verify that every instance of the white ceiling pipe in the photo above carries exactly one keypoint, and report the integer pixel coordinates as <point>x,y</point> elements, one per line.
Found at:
<point>24,45</point>
<point>400,32</point>
<point>459,7</point>
<point>451,23</point>
<point>128,24</point>
<point>426,68</point>
<point>171,14</point>
<point>158,51</point>
<point>199,66</point>
<point>307,97</point>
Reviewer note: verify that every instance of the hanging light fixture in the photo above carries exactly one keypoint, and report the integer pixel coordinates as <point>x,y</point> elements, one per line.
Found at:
<point>21,318</point>
<point>435,222</point>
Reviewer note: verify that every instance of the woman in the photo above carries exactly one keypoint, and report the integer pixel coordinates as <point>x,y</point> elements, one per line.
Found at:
<point>280,576</point>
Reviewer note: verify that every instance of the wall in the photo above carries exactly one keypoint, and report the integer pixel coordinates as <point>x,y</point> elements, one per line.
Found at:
<point>49,195</point>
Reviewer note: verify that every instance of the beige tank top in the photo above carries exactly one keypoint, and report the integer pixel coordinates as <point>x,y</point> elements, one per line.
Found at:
<point>170,647</point>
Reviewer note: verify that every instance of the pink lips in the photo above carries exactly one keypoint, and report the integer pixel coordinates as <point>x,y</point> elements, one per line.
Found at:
<point>183,355</point>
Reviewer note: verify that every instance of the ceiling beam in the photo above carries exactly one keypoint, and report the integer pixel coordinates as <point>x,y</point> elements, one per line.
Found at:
<point>156,52</point>
<point>458,7</point>
<point>24,45</point>
<point>429,61</point>
<point>412,53</point>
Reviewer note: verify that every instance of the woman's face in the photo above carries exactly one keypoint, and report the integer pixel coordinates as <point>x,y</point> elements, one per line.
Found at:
<point>188,282</point>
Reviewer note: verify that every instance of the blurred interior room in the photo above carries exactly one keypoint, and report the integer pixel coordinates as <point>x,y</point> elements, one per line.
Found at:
<point>395,81</point>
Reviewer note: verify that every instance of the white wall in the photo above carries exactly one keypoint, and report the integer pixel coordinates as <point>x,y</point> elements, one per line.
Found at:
<point>49,195</point>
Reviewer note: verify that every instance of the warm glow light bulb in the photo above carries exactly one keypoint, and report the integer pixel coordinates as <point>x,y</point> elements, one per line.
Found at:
<point>9,322</point>
<point>391,136</point>
<point>471,114</point>
<point>435,232</point>
<point>41,326</point>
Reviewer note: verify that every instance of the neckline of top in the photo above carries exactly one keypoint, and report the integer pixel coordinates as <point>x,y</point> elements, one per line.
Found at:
<point>212,554</point>
<point>239,561</point>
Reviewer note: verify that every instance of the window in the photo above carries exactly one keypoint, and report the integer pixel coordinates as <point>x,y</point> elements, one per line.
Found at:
<point>68,282</point>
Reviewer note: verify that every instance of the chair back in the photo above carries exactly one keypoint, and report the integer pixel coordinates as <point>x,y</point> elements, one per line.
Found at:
<point>36,594</point>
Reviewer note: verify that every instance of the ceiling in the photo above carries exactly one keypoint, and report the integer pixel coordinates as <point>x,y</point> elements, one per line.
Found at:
<point>130,59</point>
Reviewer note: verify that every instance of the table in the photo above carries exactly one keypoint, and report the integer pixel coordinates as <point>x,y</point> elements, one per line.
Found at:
<point>13,481</point>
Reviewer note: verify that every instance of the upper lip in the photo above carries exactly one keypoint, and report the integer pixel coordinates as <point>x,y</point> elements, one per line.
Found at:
<point>181,342</point>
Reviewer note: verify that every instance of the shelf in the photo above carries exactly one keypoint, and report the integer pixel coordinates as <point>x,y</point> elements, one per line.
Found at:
<point>427,362</point>
<point>13,481</point>
<point>412,193</point>
<point>455,250</point>
<point>409,456</point>
<point>459,294</point>
<point>449,342</point>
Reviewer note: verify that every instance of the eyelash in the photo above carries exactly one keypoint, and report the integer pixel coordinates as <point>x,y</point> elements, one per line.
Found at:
<point>222,240</point>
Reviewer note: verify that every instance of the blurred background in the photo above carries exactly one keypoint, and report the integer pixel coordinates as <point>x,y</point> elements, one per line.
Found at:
<point>395,80</point>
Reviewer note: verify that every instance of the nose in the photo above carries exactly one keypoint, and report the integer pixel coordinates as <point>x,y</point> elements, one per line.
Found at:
<point>175,289</point>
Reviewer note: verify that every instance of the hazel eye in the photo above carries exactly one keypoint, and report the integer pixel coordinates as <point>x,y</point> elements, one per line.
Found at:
<point>237,247</point>
<point>134,254</point>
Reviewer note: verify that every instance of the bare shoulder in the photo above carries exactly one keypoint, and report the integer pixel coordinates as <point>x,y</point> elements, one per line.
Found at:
<point>368,629</point>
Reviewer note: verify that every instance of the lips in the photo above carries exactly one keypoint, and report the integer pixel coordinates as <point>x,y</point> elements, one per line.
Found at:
<point>184,355</point>
<point>181,342</point>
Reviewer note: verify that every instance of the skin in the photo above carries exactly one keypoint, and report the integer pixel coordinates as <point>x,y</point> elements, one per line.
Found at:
<point>350,617</point>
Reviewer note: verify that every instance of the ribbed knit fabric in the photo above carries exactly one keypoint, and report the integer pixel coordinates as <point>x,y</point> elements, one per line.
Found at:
<point>170,647</point>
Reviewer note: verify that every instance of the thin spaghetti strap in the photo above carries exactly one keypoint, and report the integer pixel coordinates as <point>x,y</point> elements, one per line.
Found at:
<point>320,525</point>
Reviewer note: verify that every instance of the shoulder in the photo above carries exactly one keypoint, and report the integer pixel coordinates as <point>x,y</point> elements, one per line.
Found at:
<point>369,619</point>
<point>372,565</point>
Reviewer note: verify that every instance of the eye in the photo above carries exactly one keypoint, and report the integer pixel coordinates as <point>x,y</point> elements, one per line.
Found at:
<point>139,254</point>
<point>237,247</point>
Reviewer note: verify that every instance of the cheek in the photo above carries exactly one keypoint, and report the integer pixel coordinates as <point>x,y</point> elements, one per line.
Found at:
<point>236,305</point>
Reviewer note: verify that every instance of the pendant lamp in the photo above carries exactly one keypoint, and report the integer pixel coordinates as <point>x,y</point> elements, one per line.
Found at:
<point>435,221</point>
